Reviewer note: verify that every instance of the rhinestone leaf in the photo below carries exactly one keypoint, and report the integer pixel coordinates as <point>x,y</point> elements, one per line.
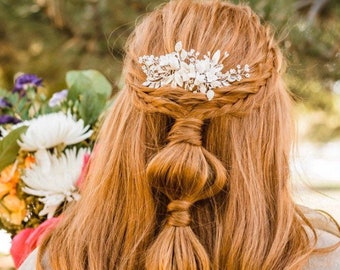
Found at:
<point>183,69</point>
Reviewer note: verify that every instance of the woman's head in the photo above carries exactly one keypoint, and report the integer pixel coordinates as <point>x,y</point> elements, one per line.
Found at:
<point>205,26</point>
<point>182,182</point>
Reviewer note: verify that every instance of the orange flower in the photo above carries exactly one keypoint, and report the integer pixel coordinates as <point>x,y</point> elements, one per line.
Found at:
<point>5,188</point>
<point>17,217</point>
<point>10,174</point>
<point>13,203</point>
<point>4,213</point>
<point>13,209</point>
<point>29,160</point>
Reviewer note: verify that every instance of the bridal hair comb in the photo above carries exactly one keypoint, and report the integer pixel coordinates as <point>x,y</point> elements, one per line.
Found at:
<point>183,69</point>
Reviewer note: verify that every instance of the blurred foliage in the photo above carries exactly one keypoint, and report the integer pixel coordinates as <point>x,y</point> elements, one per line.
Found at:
<point>49,37</point>
<point>309,35</point>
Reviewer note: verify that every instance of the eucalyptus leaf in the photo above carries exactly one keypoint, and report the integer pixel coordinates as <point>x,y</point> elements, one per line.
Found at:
<point>14,98</point>
<point>83,81</point>
<point>91,106</point>
<point>78,84</point>
<point>9,147</point>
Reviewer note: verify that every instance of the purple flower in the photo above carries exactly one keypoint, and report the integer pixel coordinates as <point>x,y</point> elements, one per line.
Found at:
<point>8,119</point>
<point>24,81</point>
<point>57,98</point>
<point>4,103</point>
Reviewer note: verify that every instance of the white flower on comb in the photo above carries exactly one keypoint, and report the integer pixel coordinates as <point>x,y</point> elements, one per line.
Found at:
<point>183,69</point>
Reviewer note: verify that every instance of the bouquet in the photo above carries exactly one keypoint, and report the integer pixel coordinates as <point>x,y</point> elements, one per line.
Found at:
<point>45,144</point>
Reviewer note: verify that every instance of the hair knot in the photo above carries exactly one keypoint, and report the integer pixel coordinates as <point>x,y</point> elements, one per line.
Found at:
<point>179,215</point>
<point>186,130</point>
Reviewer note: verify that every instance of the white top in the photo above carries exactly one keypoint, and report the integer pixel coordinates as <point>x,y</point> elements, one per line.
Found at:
<point>328,235</point>
<point>328,261</point>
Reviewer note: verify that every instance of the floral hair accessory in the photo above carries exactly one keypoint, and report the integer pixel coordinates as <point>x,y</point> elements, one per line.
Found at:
<point>182,68</point>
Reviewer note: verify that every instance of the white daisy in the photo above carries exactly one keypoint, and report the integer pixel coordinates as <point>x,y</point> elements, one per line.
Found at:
<point>54,178</point>
<point>52,129</point>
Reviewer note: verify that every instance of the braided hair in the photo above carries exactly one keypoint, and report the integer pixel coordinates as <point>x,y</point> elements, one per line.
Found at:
<point>179,182</point>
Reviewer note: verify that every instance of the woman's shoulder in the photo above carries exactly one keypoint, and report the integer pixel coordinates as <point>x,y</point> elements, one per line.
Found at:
<point>321,220</point>
<point>329,260</point>
<point>328,235</point>
<point>30,262</point>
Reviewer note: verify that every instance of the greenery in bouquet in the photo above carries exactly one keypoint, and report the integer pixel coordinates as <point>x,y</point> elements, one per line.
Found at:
<point>45,143</point>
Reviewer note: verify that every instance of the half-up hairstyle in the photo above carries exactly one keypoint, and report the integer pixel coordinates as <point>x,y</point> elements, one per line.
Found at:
<point>178,182</point>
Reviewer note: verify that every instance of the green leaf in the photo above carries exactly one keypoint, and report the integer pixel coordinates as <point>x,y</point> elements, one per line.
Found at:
<point>84,81</point>
<point>9,147</point>
<point>77,84</point>
<point>13,98</point>
<point>90,107</point>
<point>91,89</point>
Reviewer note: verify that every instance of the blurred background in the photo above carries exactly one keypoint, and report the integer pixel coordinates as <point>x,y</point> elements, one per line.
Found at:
<point>50,37</point>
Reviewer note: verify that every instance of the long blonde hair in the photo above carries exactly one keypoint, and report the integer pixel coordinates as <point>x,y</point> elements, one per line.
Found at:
<point>179,182</point>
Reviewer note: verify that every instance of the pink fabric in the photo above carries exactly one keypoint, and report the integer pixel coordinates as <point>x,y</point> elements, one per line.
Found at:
<point>81,178</point>
<point>28,239</point>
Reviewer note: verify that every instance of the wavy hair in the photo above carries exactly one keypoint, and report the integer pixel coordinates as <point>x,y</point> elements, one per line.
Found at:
<point>179,182</point>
